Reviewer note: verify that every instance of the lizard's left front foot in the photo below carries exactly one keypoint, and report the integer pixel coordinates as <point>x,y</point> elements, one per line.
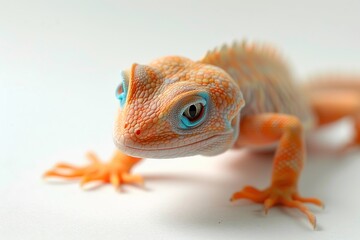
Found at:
<point>274,195</point>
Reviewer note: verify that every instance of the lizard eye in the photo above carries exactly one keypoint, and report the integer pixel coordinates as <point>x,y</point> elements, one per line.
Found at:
<point>193,112</point>
<point>121,92</point>
<point>193,115</point>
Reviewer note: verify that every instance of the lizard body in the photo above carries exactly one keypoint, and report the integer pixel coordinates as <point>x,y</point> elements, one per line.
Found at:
<point>238,96</point>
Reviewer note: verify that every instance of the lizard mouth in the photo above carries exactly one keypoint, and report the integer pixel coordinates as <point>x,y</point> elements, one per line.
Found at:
<point>189,149</point>
<point>172,148</point>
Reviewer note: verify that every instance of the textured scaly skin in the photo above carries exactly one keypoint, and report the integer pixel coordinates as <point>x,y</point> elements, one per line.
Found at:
<point>248,99</point>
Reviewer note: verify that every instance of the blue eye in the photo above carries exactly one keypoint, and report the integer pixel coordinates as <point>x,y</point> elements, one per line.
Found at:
<point>193,115</point>
<point>121,91</point>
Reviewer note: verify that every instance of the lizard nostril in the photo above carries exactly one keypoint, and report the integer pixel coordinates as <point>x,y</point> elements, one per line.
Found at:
<point>126,125</point>
<point>137,132</point>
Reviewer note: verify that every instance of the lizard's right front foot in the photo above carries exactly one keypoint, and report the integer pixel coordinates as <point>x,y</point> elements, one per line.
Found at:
<point>116,172</point>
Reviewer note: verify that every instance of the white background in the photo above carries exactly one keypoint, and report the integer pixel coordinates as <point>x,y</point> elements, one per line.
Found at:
<point>59,65</point>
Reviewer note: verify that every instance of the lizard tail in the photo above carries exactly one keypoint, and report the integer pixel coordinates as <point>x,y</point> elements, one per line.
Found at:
<point>333,82</point>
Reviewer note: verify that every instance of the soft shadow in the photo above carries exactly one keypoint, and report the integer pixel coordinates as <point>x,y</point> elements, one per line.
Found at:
<point>212,207</point>
<point>175,178</point>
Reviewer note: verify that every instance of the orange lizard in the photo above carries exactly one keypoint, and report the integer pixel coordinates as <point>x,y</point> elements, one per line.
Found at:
<point>235,97</point>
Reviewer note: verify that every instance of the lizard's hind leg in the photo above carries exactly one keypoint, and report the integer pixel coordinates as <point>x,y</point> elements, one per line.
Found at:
<point>333,104</point>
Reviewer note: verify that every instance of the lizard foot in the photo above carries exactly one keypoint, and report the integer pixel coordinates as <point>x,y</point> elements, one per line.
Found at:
<point>116,172</point>
<point>272,196</point>
<point>354,144</point>
<point>351,146</point>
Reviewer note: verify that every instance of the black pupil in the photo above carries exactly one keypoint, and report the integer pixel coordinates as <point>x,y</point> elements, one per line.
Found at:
<point>192,111</point>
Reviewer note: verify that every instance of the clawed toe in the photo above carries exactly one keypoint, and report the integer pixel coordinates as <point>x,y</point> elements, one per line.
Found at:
<point>250,193</point>
<point>314,201</point>
<point>275,196</point>
<point>63,170</point>
<point>115,172</point>
<point>299,205</point>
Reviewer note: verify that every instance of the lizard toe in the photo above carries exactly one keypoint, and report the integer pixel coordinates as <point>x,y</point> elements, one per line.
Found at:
<point>274,195</point>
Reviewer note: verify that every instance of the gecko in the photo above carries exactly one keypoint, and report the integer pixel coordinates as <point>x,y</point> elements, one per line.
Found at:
<point>237,96</point>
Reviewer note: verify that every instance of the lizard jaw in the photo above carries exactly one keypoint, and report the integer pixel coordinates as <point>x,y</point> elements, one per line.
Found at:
<point>176,151</point>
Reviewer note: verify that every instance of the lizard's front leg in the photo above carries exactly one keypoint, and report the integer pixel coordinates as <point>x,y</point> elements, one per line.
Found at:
<point>116,171</point>
<point>288,161</point>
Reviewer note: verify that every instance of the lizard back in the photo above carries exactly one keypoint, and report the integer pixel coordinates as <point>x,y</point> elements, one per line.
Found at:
<point>264,79</point>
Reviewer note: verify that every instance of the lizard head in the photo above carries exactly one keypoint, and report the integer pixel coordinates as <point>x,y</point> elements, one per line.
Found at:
<point>175,107</point>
